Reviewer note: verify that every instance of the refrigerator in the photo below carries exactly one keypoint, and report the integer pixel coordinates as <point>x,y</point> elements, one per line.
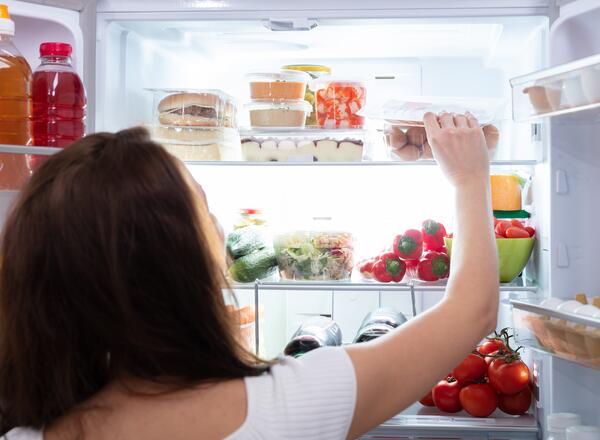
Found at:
<point>475,50</point>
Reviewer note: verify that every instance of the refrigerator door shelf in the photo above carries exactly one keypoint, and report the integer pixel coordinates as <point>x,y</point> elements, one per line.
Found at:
<point>571,336</point>
<point>571,89</point>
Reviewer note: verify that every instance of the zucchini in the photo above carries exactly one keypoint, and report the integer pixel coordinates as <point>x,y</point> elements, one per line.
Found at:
<point>259,264</point>
<point>246,240</point>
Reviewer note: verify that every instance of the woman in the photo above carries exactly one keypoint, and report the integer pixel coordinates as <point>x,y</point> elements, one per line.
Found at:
<point>113,323</point>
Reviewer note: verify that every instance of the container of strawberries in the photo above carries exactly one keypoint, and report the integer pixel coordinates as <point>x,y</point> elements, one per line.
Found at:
<point>338,101</point>
<point>417,254</point>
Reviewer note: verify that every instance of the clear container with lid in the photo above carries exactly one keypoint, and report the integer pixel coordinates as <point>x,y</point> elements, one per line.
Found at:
<point>303,145</point>
<point>338,102</point>
<point>198,108</point>
<point>198,143</point>
<point>558,424</point>
<point>278,113</point>
<point>317,253</point>
<point>279,84</point>
<point>315,71</point>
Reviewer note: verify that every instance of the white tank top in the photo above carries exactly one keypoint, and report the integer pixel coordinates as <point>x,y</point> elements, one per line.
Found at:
<point>312,397</point>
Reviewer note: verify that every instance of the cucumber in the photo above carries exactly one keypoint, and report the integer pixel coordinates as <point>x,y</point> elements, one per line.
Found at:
<point>259,264</point>
<point>246,240</point>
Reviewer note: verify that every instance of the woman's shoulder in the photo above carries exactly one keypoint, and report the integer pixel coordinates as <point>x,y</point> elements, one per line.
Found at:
<point>309,397</point>
<point>23,434</point>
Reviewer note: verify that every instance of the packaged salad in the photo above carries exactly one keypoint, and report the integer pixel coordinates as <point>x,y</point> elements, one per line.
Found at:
<point>314,255</point>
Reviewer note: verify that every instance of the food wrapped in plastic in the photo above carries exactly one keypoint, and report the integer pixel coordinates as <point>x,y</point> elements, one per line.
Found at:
<point>314,255</point>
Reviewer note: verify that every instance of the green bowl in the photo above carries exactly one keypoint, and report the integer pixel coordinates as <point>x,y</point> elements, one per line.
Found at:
<point>513,255</point>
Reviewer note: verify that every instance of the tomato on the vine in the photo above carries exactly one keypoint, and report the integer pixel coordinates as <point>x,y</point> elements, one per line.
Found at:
<point>427,400</point>
<point>471,368</point>
<point>490,346</point>
<point>478,399</point>
<point>508,376</point>
<point>515,404</point>
<point>446,396</point>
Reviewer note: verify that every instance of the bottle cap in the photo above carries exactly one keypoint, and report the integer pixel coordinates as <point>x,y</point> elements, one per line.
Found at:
<point>563,420</point>
<point>583,433</point>
<point>55,49</point>
<point>7,26</point>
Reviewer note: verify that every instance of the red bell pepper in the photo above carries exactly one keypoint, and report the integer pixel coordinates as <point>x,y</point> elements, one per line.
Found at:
<point>433,235</point>
<point>433,266</point>
<point>389,268</point>
<point>409,246</point>
<point>366,267</point>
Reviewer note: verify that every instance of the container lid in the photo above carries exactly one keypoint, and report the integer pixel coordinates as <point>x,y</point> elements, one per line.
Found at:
<point>410,111</point>
<point>563,420</point>
<point>55,49</point>
<point>7,26</point>
<point>279,104</point>
<point>308,68</point>
<point>297,133</point>
<point>583,433</point>
<point>170,91</point>
<point>511,214</point>
<point>278,75</point>
<point>335,81</point>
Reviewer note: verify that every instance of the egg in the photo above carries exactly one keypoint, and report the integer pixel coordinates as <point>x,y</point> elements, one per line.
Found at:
<point>416,136</point>
<point>396,137</point>
<point>492,136</point>
<point>408,153</point>
<point>427,153</point>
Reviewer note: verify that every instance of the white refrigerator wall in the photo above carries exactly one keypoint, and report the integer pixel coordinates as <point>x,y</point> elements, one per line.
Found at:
<point>575,207</point>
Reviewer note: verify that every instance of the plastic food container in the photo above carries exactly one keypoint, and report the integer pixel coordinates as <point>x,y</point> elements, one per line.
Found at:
<point>282,113</point>
<point>338,102</point>
<point>513,255</point>
<point>409,143</point>
<point>303,145</point>
<point>284,84</point>
<point>315,71</point>
<point>193,108</point>
<point>314,255</point>
<point>198,143</point>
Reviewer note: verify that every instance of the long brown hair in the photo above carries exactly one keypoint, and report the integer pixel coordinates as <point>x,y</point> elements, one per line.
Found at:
<point>110,265</point>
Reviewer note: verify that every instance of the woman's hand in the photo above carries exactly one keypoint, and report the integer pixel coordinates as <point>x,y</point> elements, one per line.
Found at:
<point>458,146</point>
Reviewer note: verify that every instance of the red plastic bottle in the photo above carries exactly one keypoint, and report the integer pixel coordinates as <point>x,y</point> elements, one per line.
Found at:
<point>59,100</point>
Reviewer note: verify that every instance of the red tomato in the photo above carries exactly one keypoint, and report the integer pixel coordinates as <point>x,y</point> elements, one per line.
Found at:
<point>514,232</point>
<point>530,230</point>
<point>495,221</point>
<point>427,400</point>
<point>517,223</point>
<point>446,396</point>
<point>490,346</point>
<point>478,399</point>
<point>508,378</point>
<point>471,368</point>
<point>502,226</point>
<point>515,404</point>
<point>489,359</point>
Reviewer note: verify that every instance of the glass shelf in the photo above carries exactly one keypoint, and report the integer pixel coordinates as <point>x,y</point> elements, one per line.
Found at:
<point>569,336</point>
<point>24,149</point>
<point>366,286</point>
<point>572,90</point>
<point>512,163</point>
<point>418,421</point>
